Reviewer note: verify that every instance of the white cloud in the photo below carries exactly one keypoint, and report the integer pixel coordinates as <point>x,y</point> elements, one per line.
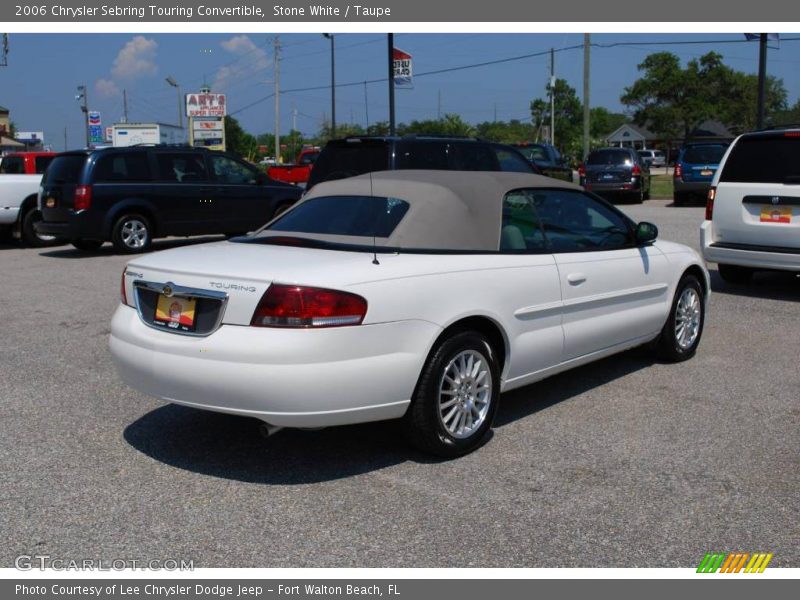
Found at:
<point>135,60</point>
<point>254,59</point>
<point>106,88</point>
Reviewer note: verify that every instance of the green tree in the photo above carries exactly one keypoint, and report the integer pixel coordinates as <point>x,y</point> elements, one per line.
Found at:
<point>238,141</point>
<point>568,113</point>
<point>449,124</point>
<point>506,132</point>
<point>603,122</point>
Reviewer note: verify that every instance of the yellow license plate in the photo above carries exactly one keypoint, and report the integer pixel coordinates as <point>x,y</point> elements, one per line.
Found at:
<point>176,313</point>
<point>776,214</point>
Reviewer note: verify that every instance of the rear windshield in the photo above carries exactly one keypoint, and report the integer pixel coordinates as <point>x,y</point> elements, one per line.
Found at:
<point>445,155</point>
<point>764,160</point>
<point>65,169</point>
<point>359,216</point>
<point>704,154</point>
<point>347,159</point>
<point>12,165</point>
<point>42,162</point>
<point>609,157</point>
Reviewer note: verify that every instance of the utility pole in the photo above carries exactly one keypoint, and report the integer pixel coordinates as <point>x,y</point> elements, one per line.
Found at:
<point>294,129</point>
<point>277,62</point>
<point>439,105</point>
<point>333,84</point>
<point>495,112</point>
<point>124,105</point>
<point>83,95</point>
<point>587,43</point>
<point>366,106</point>
<point>762,78</point>
<point>390,43</point>
<point>552,97</point>
<point>65,139</point>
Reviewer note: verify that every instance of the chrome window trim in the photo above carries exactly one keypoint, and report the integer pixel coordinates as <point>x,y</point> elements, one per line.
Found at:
<point>182,291</point>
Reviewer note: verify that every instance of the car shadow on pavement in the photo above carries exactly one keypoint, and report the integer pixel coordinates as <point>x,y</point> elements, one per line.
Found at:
<point>109,250</point>
<point>525,401</point>
<point>770,285</point>
<point>232,447</point>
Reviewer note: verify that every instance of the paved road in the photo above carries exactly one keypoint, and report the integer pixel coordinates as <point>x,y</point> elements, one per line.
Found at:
<point>627,462</point>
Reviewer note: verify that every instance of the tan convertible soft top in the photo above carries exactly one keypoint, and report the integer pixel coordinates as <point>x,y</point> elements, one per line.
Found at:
<point>448,210</point>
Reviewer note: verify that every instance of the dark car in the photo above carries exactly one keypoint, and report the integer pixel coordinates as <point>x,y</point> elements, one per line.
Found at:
<point>694,171</point>
<point>353,156</point>
<point>131,195</point>
<point>547,159</point>
<point>616,172</point>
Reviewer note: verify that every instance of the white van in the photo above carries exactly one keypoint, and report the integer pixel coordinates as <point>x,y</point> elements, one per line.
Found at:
<point>753,210</point>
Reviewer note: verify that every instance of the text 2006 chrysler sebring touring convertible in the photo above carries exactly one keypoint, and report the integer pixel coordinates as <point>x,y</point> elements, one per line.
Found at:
<point>418,295</point>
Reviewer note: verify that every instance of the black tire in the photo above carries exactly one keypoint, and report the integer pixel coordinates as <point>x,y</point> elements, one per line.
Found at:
<point>668,345</point>
<point>424,424</point>
<point>132,233</point>
<point>28,233</point>
<point>87,245</point>
<point>735,274</point>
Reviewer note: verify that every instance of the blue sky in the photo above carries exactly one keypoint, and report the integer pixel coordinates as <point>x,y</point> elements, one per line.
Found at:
<point>40,82</point>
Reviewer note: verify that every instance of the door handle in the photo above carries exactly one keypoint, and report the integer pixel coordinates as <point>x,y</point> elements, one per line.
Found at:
<point>576,278</point>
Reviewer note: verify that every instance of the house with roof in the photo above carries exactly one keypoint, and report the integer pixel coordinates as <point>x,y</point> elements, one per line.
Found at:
<point>630,135</point>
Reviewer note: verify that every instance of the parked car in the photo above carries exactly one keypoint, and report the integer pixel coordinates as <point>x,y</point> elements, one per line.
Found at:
<point>414,295</point>
<point>20,176</point>
<point>364,154</point>
<point>547,158</point>
<point>752,219</point>
<point>653,158</point>
<point>131,195</point>
<point>694,170</point>
<point>25,163</point>
<point>616,172</point>
<point>297,172</point>
<point>18,210</point>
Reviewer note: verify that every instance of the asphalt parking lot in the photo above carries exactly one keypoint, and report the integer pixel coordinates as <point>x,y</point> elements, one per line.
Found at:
<point>626,462</point>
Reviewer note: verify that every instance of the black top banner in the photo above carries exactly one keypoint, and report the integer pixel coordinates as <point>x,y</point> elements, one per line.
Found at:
<point>388,11</point>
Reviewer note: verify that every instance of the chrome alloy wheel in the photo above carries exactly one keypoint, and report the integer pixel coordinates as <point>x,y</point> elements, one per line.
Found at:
<point>465,393</point>
<point>133,233</point>
<point>687,318</point>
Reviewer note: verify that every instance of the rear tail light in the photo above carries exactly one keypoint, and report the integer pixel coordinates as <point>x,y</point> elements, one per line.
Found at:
<point>300,306</point>
<point>83,197</point>
<point>582,171</point>
<point>712,193</point>
<point>123,296</point>
<point>636,171</point>
<point>678,171</point>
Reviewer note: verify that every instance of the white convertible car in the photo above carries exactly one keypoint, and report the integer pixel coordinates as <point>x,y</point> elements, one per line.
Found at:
<point>419,295</point>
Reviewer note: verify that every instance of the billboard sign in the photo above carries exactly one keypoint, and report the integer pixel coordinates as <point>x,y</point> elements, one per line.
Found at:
<point>30,137</point>
<point>205,105</point>
<point>208,125</point>
<point>94,118</point>
<point>401,68</point>
<point>96,135</point>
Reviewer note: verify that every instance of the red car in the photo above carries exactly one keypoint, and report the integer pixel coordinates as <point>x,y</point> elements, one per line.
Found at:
<point>299,171</point>
<point>25,163</point>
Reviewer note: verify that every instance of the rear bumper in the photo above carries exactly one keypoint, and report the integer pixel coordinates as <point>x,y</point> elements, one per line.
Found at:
<point>757,257</point>
<point>78,227</point>
<point>9,215</point>
<point>627,187</point>
<point>289,378</point>
<point>679,185</point>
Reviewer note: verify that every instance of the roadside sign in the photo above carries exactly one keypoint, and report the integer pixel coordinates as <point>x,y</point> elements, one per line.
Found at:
<point>205,105</point>
<point>96,134</point>
<point>94,117</point>
<point>401,68</point>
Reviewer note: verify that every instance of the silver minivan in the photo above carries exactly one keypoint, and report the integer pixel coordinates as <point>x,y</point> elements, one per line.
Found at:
<point>653,158</point>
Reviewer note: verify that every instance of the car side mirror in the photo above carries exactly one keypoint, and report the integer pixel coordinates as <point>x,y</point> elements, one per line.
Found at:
<point>646,233</point>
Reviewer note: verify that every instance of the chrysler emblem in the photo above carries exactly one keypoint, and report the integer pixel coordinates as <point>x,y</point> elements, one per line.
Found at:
<point>167,291</point>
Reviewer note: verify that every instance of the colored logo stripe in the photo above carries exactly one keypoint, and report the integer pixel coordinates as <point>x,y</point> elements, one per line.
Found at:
<point>733,562</point>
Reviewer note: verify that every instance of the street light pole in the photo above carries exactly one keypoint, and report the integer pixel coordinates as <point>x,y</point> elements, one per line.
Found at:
<point>390,43</point>
<point>333,84</point>
<point>85,109</point>
<point>170,80</point>
<point>762,78</point>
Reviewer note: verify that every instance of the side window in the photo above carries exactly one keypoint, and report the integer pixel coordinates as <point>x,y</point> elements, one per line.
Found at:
<point>181,167</point>
<point>575,222</point>
<point>41,163</point>
<point>469,156</point>
<point>520,229</point>
<point>424,155</point>
<point>12,165</point>
<point>227,170</point>
<point>121,168</point>
<point>511,161</point>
